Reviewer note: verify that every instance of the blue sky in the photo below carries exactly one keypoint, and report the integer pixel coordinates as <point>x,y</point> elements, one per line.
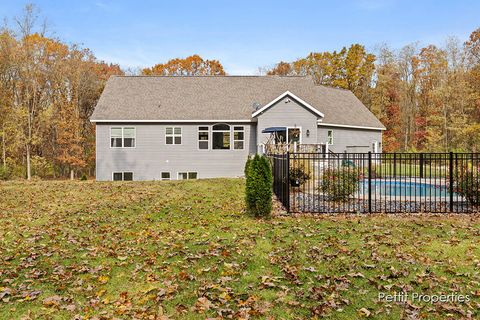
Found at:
<point>244,34</point>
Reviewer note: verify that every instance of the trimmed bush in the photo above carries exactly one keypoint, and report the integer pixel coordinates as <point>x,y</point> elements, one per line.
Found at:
<point>247,164</point>
<point>467,185</point>
<point>258,190</point>
<point>339,184</point>
<point>83,177</point>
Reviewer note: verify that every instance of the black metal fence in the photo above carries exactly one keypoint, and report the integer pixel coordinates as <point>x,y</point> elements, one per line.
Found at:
<point>377,182</point>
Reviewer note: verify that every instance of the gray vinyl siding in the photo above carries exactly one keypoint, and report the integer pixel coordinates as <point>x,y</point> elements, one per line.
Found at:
<point>291,114</point>
<point>350,139</point>
<point>152,156</point>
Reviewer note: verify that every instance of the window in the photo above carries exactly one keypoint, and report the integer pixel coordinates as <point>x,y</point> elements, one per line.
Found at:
<point>187,175</point>
<point>238,138</point>
<point>116,137</point>
<point>173,135</point>
<point>165,175</point>
<point>122,137</point>
<point>330,137</point>
<point>117,176</point>
<point>375,146</point>
<point>123,176</point>
<point>203,138</point>
<point>221,136</point>
<point>128,137</point>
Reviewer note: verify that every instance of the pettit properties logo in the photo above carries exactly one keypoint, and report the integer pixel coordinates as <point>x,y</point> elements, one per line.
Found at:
<point>403,297</point>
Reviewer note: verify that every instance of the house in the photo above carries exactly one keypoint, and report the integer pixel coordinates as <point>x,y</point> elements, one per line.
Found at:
<point>167,128</point>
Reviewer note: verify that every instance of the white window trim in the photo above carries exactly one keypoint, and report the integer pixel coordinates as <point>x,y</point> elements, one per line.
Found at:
<point>187,172</point>
<point>123,137</point>
<point>328,138</point>
<point>229,131</point>
<point>123,172</point>
<point>164,179</point>
<point>173,135</point>
<point>209,131</point>
<point>233,137</point>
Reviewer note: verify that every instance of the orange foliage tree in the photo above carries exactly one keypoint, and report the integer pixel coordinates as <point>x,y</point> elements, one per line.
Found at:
<point>190,66</point>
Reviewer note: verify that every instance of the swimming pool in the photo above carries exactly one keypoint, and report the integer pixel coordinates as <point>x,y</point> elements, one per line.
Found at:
<point>405,188</point>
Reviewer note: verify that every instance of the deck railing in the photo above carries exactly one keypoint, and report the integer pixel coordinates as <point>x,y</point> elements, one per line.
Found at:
<point>281,148</point>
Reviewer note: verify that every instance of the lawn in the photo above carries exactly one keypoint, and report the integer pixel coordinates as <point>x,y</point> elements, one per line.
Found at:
<point>187,250</point>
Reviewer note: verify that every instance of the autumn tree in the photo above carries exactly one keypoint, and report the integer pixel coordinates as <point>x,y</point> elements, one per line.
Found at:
<point>386,99</point>
<point>282,69</point>
<point>190,66</point>
<point>350,68</point>
<point>48,91</point>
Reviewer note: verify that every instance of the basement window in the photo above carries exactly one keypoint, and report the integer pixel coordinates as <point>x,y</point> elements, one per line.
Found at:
<point>122,176</point>
<point>187,175</point>
<point>165,176</point>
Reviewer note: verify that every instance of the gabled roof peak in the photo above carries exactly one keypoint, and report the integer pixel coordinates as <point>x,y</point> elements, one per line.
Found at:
<point>291,95</point>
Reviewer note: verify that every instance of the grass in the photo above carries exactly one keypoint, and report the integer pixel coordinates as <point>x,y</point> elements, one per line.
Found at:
<point>187,250</point>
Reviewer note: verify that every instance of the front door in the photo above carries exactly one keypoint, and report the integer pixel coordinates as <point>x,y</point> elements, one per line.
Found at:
<point>294,135</point>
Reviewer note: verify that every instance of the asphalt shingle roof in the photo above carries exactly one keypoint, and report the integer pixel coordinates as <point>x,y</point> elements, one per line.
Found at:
<point>221,98</point>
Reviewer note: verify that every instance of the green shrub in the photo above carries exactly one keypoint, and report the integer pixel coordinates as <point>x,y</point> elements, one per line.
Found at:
<point>12,170</point>
<point>258,190</point>
<point>5,173</point>
<point>299,174</point>
<point>83,177</point>
<point>247,164</point>
<point>467,185</point>
<point>339,184</point>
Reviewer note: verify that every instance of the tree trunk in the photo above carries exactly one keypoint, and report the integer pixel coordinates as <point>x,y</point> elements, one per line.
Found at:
<point>72,174</point>
<point>29,172</point>
<point>4,150</point>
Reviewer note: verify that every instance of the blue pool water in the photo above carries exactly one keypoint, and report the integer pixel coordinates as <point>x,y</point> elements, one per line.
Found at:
<point>404,188</point>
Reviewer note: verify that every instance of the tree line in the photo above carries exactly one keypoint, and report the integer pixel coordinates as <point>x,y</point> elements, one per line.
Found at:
<point>48,90</point>
<point>427,97</point>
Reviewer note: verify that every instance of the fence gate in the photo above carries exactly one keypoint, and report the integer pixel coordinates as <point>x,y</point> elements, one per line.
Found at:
<point>377,182</point>
<point>281,186</point>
